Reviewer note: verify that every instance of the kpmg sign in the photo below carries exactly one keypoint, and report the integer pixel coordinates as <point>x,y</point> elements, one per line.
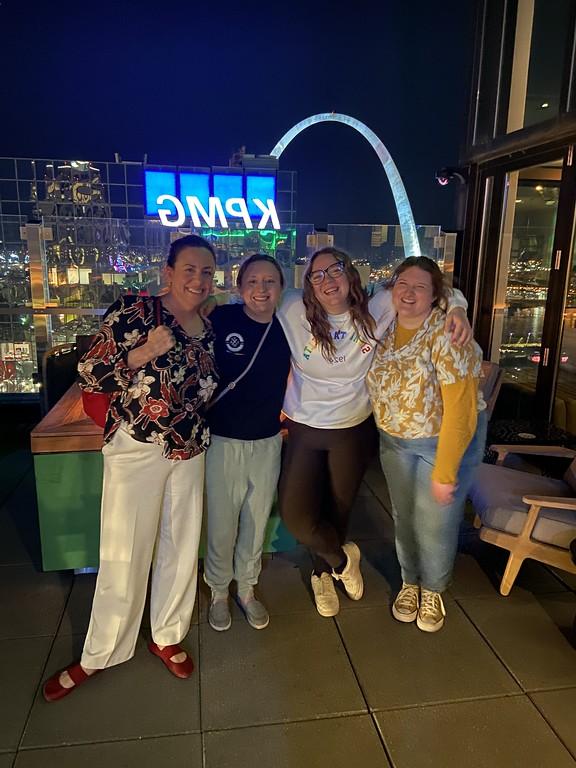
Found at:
<point>209,199</point>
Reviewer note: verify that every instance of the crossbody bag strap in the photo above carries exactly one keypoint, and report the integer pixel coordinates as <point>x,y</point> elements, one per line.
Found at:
<point>232,384</point>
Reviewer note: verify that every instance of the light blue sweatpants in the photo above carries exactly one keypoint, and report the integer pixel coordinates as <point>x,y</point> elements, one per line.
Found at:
<point>241,480</point>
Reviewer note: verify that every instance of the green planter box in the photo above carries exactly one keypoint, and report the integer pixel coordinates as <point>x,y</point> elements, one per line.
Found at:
<point>68,487</point>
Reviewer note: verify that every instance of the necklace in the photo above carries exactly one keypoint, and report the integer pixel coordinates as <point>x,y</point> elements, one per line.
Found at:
<point>340,320</point>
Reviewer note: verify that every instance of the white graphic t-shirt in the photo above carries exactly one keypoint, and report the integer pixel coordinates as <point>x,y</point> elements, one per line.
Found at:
<point>332,394</point>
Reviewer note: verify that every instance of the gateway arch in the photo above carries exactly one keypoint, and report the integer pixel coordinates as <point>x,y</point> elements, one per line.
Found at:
<point>405,217</point>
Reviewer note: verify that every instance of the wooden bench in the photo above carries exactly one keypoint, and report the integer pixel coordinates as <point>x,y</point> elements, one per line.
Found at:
<point>66,446</point>
<point>66,428</point>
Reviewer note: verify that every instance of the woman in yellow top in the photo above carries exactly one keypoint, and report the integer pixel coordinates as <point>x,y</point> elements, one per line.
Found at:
<point>430,414</point>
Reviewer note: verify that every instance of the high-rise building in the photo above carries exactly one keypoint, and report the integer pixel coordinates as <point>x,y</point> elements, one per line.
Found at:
<point>518,176</point>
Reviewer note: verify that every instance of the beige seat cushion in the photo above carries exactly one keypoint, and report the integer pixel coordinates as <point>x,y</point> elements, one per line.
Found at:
<point>497,497</point>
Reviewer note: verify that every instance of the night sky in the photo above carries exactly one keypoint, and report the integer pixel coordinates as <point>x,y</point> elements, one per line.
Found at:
<point>189,82</point>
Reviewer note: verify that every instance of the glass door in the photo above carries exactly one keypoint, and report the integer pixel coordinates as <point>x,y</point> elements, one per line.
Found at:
<point>526,262</point>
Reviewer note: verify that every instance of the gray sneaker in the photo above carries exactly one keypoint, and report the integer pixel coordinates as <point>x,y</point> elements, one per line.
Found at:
<point>219,616</point>
<point>256,614</point>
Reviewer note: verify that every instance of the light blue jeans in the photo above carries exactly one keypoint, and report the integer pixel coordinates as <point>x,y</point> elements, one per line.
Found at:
<point>241,480</point>
<point>426,532</point>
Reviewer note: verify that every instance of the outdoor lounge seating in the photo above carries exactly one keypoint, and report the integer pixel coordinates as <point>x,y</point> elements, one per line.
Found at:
<point>530,515</point>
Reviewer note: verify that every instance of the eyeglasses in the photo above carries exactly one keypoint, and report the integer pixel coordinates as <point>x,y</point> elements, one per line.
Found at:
<point>335,271</point>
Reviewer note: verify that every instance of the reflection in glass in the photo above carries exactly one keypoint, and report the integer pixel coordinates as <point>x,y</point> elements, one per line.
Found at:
<point>566,382</point>
<point>17,354</point>
<point>548,51</point>
<point>524,270</point>
<point>92,256</point>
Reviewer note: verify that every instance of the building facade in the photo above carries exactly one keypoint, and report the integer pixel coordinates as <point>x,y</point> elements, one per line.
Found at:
<point>518,263</point>
<point>77,234</point>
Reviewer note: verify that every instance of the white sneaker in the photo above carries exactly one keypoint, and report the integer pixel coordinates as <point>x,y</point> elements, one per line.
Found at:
<point>327,603</point>
<point>405,607</point>
<point>431,613</point>
<point>351,576</point>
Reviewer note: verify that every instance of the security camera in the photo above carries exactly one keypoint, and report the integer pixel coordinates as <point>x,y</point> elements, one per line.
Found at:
<point>445,175</point>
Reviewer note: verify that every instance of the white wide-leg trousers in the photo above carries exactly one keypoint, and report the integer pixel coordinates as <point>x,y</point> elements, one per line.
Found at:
<point>151,516</point>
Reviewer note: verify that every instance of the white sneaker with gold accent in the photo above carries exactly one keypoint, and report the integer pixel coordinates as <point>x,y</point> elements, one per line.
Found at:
<point>325,596</point>
<point>431,613</point>
<point>405,607</point>
<point>351,576</point>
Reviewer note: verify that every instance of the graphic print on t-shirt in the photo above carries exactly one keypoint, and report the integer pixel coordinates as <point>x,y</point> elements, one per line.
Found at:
<point>337,335</point>
<point>250,411</point>
<point>234,342</point>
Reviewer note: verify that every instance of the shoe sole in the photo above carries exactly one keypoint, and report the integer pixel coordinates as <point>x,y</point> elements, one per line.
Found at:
<point>220,629</point>
<point>407,618</point>
<point>429,627</point>
<point>257,626</point>
<point>252,624</point>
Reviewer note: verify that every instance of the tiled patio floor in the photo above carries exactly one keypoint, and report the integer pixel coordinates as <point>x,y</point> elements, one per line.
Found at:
<point>496,688</point>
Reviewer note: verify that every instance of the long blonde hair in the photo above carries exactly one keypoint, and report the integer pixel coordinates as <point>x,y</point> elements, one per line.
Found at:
<point>362,320</point>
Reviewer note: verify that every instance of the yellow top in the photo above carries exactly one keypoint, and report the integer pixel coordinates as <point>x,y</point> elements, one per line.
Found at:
<point>422,385</point>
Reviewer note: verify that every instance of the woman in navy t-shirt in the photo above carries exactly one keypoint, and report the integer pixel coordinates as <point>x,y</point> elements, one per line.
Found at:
<point>243,461</point>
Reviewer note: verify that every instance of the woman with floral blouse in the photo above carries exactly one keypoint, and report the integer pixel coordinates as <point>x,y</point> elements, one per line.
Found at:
<point>432,423</point>
<point>154,357</point>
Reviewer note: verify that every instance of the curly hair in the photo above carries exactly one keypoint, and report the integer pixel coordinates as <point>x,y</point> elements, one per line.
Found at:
<point>439,288</point>
<point>363,322</point>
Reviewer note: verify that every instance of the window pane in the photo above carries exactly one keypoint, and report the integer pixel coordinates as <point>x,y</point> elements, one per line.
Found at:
<point>548,49</point>
<point>524,272</point>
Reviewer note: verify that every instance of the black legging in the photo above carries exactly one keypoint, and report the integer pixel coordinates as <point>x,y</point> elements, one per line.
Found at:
<point>321,472</point>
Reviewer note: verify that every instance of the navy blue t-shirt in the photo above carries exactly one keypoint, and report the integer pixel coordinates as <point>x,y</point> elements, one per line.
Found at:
<point>250,411</point>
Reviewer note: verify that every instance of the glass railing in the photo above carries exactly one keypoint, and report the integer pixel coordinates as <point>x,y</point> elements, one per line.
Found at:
<point>86,264</point>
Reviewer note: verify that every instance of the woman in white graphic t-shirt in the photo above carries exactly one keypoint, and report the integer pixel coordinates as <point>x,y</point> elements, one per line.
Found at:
<point>332,330</point>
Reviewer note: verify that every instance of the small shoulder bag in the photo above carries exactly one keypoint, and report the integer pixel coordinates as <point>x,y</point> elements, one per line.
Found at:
<point>96,404</point>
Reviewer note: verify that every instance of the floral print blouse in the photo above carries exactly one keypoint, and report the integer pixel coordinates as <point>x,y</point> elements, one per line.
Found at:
<point>165,401</point>
<point>405,384</point>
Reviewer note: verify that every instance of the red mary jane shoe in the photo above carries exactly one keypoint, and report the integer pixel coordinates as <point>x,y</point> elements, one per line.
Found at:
<point>53,690</point>
<point>182,669</point>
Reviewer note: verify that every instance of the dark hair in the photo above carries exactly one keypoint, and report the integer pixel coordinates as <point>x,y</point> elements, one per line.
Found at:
<point>190,241</point>
<point>252,260</point>
<point>439,287</point>
<point>363,322</point>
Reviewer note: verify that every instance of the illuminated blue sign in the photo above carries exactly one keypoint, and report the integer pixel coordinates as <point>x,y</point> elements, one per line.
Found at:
<point>158,183</point>
<point>227,186</point>
<point>195,184</point>
<point>259,188</point>
<point>208,199</point>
